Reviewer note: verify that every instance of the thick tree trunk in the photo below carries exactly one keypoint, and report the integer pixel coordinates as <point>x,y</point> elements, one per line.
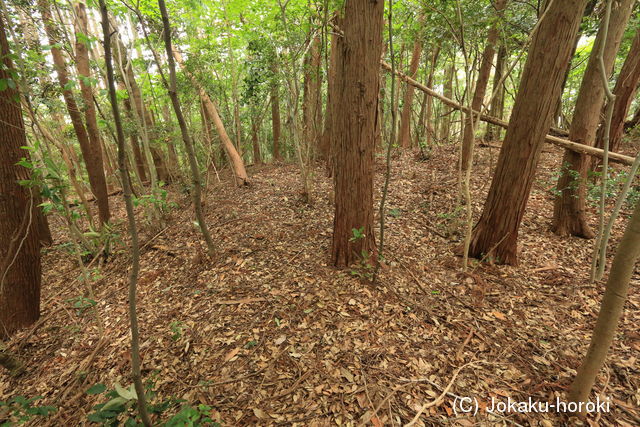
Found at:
<point>615,295</point>
<point>90,152</point>
<point>404,136</point>
<point>625,89</point>
<point>445,128</point>
<point>496,233</point>
<point>236,161</point>
<point>481,88</point>
<point>569,209</point>
<point>357,85</point>
<point>497,103</point>
<point>20,268</point>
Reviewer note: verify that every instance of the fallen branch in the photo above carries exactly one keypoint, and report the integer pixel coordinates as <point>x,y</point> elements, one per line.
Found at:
<point>561,142</point>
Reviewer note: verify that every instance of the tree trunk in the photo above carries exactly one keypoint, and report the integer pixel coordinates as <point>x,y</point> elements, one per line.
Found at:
<point>133,138</point>
<point>569,210</point>
<point>633,122</point>
<point>404,136</point>
<point>496,233</point>
<point>236,161</point>
<point>356,88</point>
<point>481,87</point>
<point>625,90</point>
<point>497,103</point>
<point>255,142</point>
<point>90,152</point>
<point>196,181</point>
<point>20,269</point>
<point>429,126</point>
<point>275,113</point>
<point>329,115</point>
<point>613,301</point>
<point>445,128</point>
<point>311,107</point>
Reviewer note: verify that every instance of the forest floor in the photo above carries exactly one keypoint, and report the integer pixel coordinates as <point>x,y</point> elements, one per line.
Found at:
<point>267,332</point>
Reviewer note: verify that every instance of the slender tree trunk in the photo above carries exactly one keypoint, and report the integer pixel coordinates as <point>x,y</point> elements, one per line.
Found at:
<point>356,88</point>
<point>445,128</point>
<point>20,269</point>
<point>235,159</point>
<point>311,107</point>
<point>188,143</point>
<point>136,371</point>
<point>275,113</point>
<point>482,81</point>
<point>497,103</point>
<point>257,157</point>
<point>496,233</point>
<point>90,152</point>
<point>615,295</point>
<point>625,89</point>
<point>404,136</point>
<point>430,128</point>
<point>329,115</point>
<point>569,209</point>
<point>133,138</point>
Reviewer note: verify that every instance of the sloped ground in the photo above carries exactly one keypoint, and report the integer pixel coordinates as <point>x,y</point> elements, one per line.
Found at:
<point>266,332</point>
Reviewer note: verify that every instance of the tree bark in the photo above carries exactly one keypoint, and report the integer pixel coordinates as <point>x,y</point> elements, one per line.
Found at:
<point>357,83</point>
<point>496,233</point>
<point>275,113</point>
<point>468,138</point>
<point>20,269</point>
<point>624,90</point>
<point>255,142</point>
<point>569,209</point>
<point>326,149</point>
<point>404,136</point>
<point>613,301</point>
<point>497,103</point>
<point>311,107</point>
<point>236,161</point>
<point>445,128</point>
<point>90,152</point>
<point>172,88</point>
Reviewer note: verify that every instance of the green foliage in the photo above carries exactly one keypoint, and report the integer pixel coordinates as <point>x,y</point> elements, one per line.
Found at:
<point>119,408</point>
<point>357,234</point>
<point>81,304</point>
<point>19,410</point>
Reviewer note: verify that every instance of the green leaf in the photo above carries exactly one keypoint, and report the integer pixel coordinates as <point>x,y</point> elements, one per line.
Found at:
<point>96,389</point>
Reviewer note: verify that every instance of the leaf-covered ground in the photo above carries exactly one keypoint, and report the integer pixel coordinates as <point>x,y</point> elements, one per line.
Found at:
<point>266,332</point>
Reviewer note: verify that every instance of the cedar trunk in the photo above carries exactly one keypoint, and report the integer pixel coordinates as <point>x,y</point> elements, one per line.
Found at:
<point>497,103</point>
<point>496,233</point>
<point>404,136</point>
<point>445,128</point>
<point>357,82</point>
<point>569,209</point>
<point>481,88</point>
<point>20,268</point>
<point>90,152</point>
